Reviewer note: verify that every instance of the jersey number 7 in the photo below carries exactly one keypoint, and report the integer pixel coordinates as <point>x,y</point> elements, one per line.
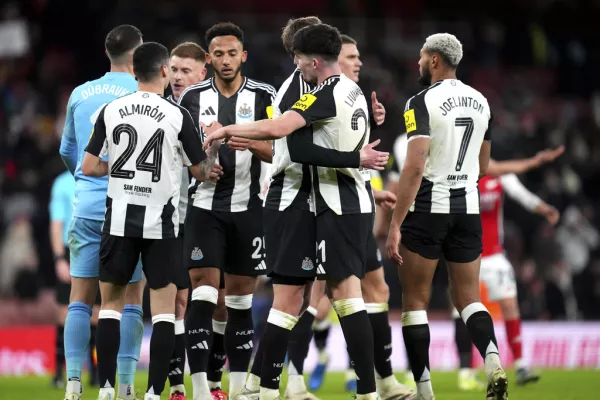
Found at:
<point>467,123</point>
<point>141,163</point>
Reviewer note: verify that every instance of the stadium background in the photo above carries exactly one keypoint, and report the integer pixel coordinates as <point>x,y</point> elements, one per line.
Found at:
<point>535,61</point>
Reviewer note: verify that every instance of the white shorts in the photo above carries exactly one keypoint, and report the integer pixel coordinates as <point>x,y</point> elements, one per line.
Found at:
<point>499,277</point>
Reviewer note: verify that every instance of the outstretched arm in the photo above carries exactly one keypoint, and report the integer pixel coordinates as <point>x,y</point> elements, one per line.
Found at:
<point>499,168</point>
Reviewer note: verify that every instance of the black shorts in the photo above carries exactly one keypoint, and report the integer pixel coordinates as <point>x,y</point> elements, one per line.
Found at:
<point>456,236</point>
<point>63,290</point>
<point>181,278</point>
<point>290,242</point>
<point>374,260</point>
<point>119,257</point>
<point>230,241</point>
<point>342,245</point>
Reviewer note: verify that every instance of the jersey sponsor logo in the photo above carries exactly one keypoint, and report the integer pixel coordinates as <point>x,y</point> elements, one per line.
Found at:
<point>307,264</point>
<point>305,102</point>
<point>409,121</point>
<point>197,254</point>
<point>245,111</point>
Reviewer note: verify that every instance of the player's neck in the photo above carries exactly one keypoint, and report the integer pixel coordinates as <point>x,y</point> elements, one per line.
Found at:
<point>228,89</point>
<point>152,87</point>
<point>327,71</point>
<point>122,68</point>
<point>440,76</point>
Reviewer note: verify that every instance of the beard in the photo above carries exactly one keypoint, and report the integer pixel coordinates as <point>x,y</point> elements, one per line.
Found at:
<point>425,78</point>
<point>230,78</point>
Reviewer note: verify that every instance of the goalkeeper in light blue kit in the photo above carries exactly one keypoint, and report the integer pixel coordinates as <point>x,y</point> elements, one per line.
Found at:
<point>83,108</point>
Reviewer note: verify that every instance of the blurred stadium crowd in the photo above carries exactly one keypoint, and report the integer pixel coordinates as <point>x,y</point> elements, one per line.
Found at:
<point>534,62</point>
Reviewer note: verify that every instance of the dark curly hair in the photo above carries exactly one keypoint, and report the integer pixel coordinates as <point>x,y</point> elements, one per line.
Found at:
<point>320,40</point>
<point>224,29</point>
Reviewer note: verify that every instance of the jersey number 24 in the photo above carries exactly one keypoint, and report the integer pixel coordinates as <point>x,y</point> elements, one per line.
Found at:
<point>154,147</point>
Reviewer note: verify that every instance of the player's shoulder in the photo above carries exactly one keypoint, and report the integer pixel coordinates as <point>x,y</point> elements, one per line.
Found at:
<point>260,87</point>
<point>195,90</point>
<point>292,82</point>
<point>424,95</point>
<point>118,102</point>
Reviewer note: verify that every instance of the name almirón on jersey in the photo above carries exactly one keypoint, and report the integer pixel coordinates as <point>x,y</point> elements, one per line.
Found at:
<point>148,139</point>
<point>457,119</point>
<point>239,187</point>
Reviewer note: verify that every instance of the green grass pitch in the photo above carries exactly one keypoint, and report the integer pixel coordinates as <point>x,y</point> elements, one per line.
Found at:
<point>554,385</point>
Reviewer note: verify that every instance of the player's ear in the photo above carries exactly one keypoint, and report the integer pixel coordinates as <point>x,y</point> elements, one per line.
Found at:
<point>244,56</point>
<point>203,74</point>
<point>165,71</point>
<point>208,58</point>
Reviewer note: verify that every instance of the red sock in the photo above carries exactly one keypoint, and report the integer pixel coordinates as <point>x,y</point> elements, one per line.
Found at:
<point>513,334</point>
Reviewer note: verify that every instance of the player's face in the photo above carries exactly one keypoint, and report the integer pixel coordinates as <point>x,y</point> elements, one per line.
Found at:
<point>425,68</point>
<point>226,55</point>
<point>308,67</point>
<point>349,60</point>
<point>185,72</point>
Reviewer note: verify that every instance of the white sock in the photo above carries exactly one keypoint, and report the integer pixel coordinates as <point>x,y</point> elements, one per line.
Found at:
<point>369,396</point>
<point>296,384</point>
<point>178,388</point>
<point>200,385</point>
<point>269,394</point>
<point>388,383</point>
<point>126,391</point>
<point>214,385</point>
<point>149,396</point>
<point>464,373</point>
<point>253,383</point>
<point>492,363</point>
<point>323,356</point>
<point>236,382</point>
<point>106,391</point>
<point>74,387</point>
<point>424,390</point>
<point>520,363</point>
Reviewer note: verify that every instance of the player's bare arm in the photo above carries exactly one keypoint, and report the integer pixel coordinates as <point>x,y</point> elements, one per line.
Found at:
<point>385,199</point>
<point>92,165</point>
<point>378,110</point>
<point>263,149</point>
<point>484,157</point>
<point>499,168</point>
<point>408,186</point>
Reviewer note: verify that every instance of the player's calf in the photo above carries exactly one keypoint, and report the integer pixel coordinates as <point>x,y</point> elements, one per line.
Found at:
<point>218,356</point>
<point>177,363</point>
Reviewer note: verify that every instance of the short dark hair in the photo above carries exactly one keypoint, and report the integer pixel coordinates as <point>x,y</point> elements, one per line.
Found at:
<point>293,26</point>
<point>224,29</point>
<point>148,59</point>
<point>347,40</point>
<point>122,39</point>
<point>189,50</point>
<point>321,40</point>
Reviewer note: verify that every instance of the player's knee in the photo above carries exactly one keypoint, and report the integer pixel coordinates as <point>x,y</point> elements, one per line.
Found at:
<point>414,302</point>
<point>510,308</point>
<point>181,303</point>
<point>348,288</point>
<point>162,301</point>
<point>135,293</point>
<point>237,285</point>
<point>205,277</point>
<point>83,290</point>
<point>377,292</point>
<point>220,313</point>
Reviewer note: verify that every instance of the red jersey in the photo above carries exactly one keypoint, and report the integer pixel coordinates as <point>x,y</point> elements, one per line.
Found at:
<point>491,192</point>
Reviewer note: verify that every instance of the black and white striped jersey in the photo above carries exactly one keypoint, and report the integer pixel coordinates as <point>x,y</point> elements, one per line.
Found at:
<point>148,139</point>
<point>457,120</point>
<point>336,111</point>
<point>290,182</point>
<point>239,187</point>
<point>185,184</point>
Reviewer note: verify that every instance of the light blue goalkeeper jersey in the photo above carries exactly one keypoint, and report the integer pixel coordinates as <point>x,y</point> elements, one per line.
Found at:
<point>85,104</point>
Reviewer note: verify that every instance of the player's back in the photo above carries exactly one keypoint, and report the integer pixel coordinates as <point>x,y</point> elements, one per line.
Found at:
<point>145,160</point>
<point>85,104</point>
<point>344,190</point>
<point>456,117</point>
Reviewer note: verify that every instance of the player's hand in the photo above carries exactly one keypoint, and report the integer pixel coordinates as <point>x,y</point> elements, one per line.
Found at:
<point>393,245</point>
<point>384,199</point>
<point>373,159</point>
<point>63,271</point>
<point>549,155</point>
<point>217,135</point>
<point>239,143</point>
<point>216,172</point>
<point>550,213</point>
<point>210,128</point>
<point>378,110</point>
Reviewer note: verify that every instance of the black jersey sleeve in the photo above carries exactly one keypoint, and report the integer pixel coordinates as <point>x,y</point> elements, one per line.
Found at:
<point>97,142</point>
<point>416,117</point>
<point>190,139</point>
<point>303,150</point>
<point>317,105</point>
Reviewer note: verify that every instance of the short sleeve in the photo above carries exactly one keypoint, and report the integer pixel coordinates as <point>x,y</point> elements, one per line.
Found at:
<point>97,143</point>
<point>317,105</point>
<point>416,117</point>
<point>190,140</point>
<point>488,132</point>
